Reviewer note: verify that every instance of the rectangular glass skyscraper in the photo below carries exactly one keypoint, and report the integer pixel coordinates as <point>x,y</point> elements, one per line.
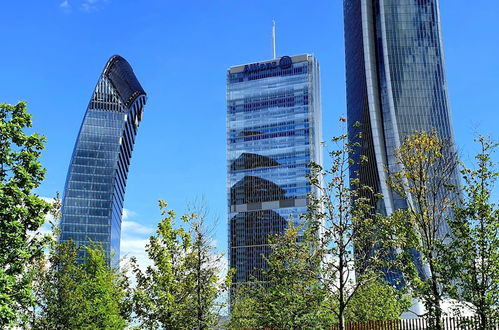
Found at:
<point>273,133</point>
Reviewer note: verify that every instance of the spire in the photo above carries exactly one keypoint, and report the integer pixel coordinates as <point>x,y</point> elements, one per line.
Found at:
<point>273,38</point>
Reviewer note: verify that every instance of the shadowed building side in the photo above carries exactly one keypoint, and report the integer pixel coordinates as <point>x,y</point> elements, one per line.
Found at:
<point>248,231</point>
<point>93,198</point>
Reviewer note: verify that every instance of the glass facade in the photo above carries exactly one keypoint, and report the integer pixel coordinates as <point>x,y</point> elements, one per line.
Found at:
<point>396,84</point>
<point>273,133</point>
<point>95,186</point>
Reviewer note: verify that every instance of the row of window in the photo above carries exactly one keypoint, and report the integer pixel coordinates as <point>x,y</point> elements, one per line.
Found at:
<point>89,186</point>
<point>239,77</point>
<point>83,211</point>
<point>87,203</point>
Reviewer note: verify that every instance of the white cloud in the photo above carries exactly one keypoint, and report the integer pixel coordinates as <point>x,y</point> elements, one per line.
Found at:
<point>127,214</point>
<point>133,245</point>
<point>134,228</point>
<point>48,199</point>
<point>135,249</point>
<point>65,6</point>
<point>91,5</point>
<point>87,6</point>
<point>134,237</point>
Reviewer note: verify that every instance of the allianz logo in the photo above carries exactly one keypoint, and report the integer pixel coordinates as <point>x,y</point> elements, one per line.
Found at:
<point>284,63</point>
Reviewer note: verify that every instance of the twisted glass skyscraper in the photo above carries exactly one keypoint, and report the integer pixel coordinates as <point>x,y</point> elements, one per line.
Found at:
<point>396,83</point>
<point>273,132</point>
<point>95,186</point>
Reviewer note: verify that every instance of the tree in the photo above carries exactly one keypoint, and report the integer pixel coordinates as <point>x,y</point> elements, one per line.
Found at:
<point>105,292</point>
<point>205,262</point>
<point>377,301</point>
<point>57,292</point>
<point>291,296</point>
<point>73,294</point>
<point>245,311</point>
<point>329,270</point>
<point>162,291</point>
<point>21,211</point>
<point>80,295</point>
<point>180,289</point>
<point>355,241</point>
<point>426,169</point>
<point>474,252</point>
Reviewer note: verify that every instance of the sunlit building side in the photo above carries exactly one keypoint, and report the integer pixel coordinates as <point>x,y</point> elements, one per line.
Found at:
<point>273,133</point>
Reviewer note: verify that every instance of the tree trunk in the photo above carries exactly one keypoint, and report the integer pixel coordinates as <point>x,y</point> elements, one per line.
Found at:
<point>199,302</point>
<point>438,317</point>
<point>483,320</point>
<point>341,316</point>
<point>437,310</point>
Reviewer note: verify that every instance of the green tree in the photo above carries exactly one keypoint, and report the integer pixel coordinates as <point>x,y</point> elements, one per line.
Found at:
<point>106,292</point>
<point>377,301</point>
<point>74,294</point>
<point>309,278</point>
<point>355,241</point>
<point>245,311</point>
<point>21,211</point>
<point>291,296</point>
<point>164,291</point>
<point>426,168</point>
<point>206,266</point>
<point>80,295</point>
<point>57,292</point>
<point>181,288</point>
<point>474,251</point>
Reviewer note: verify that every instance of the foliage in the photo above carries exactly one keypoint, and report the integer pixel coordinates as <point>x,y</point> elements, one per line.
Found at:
<point>291,296</point>
<point>310,278</point>
<point>245,311</point>
<point>205,264</point>
<point>21,211</point>
<point>75,294</point>
<point>426,168</point>
<point>179,290</point>
<point>376,301</point>
<point>474,253</point>
<point>354,238</point>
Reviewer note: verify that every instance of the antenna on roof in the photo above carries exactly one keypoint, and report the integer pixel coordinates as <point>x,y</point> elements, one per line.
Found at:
<point>273,38</point>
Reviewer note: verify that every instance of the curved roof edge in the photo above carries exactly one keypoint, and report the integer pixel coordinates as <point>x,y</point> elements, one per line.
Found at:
<point>121,75</point>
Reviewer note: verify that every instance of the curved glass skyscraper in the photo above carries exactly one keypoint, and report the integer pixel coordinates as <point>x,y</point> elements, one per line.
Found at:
<point>273,133</point>
<point>95,186</point>
<point>396,82</point>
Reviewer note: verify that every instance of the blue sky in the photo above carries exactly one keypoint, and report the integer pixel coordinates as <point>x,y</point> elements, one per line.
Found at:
<point>53,52</point>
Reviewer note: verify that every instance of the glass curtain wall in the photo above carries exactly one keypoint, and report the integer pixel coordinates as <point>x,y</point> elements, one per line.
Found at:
<point>396,85</point>
<point>95,185</point>
<point>273,132</point>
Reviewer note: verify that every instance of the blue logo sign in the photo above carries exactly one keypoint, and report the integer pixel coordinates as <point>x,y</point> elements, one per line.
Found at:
<point>285,62</point>
<point>255,67</point>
